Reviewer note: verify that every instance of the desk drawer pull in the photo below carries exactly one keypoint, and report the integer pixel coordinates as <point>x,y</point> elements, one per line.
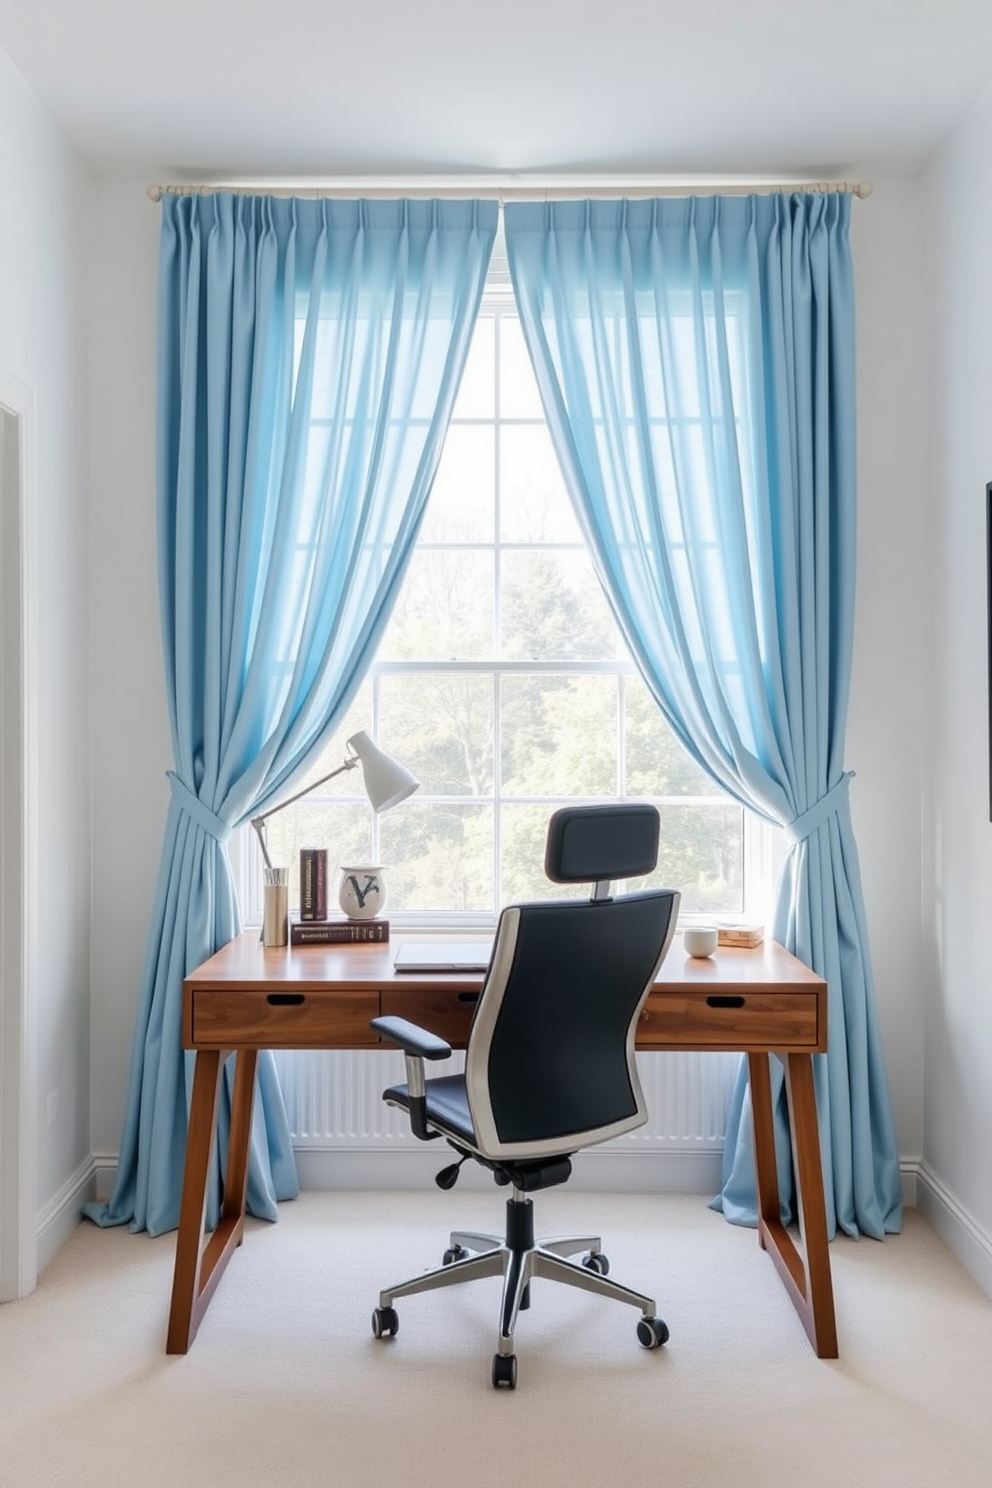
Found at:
<point>725,1000</point>
<point>470,997</point>
<point>296,1016</point>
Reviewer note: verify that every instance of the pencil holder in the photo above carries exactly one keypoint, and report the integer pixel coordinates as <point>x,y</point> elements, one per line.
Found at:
<point>275,907</point>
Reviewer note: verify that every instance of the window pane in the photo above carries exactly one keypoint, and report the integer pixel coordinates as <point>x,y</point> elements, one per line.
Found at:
<point>518,394</point>
<point>534,505</point>
<point>559,736</point>
<point>460,506</point>
<point>476,395</point>
<point>657,764</point>
<point>552,609</point>
<point>445,612</point>
<point>524,831</point>
<point>445,723</point>
<point>438,857</point>
<point>702,853</point>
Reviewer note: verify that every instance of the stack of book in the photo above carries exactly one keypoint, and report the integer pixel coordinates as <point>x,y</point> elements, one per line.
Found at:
<point>738,934</point>
<point>338,932</point>
<point>313,927</point>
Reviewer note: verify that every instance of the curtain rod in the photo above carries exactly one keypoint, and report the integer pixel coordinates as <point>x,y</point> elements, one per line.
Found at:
<point>511,188</point>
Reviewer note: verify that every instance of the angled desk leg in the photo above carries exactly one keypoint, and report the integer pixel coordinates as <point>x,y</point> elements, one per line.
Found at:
<point>200,1262</point>
<point>806,1274</point>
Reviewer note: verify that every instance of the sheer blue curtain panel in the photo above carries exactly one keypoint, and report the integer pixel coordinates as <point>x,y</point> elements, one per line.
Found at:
<point>309,356</point>
<point>696,364</point>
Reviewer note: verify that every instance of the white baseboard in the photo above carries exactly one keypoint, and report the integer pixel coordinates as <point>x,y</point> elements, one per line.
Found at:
<point>105,1170</point>
<point>410,1167</point>
<point>962,1235</point>
<point>616,1171</point>
<point>60,1216</point>
<point>909,1168</point>
<point>414,1166</point>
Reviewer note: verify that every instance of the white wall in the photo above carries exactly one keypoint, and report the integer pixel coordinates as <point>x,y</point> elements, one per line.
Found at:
<point>892,641</point>
<point>131,748</point>
<point>958,1036</point>
<point>43,191</point>
<point>130,734</point>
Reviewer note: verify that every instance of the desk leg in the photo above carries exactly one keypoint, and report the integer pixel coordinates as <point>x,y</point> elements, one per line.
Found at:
<point>806,1274</point>
<point>200,1262</point>
<point>236,1181</point>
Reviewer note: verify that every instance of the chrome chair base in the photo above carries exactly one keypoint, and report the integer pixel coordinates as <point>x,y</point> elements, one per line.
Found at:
<point>518,1258</point>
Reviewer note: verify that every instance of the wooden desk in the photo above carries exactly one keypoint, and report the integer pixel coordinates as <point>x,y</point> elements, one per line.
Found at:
<point>246,998</point>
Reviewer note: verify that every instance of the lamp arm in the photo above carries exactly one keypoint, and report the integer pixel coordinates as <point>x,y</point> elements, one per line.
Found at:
<point>258,822</point>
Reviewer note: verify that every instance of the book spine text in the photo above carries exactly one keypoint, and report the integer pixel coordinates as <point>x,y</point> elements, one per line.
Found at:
<point>339,932</point>
<point>313,883</point>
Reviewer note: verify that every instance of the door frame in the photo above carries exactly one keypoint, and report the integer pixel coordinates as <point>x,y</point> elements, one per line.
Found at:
<point>18,836</point>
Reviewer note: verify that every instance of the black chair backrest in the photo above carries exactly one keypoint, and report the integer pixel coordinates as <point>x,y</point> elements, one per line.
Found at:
<point>587,844</point>
<point>550,1061</point>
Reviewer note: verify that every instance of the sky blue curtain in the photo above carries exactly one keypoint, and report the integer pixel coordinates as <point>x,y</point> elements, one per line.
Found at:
<point>696,362</point>
<point>309,357</point>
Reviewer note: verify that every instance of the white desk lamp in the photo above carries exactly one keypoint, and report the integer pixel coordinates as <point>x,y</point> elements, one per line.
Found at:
<point>387,782</point>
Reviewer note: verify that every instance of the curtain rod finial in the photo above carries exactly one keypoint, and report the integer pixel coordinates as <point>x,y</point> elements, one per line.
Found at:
<point>153,193</point>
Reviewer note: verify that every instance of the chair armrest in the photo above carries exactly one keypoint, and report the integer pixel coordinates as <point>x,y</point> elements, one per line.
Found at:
<point>411,1038</point>
<point>417,1045</point>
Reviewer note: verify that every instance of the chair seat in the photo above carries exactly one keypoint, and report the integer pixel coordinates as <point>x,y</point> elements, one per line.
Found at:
<point>447,1105</point>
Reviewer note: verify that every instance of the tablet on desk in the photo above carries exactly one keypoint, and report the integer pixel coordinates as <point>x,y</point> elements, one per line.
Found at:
<point>443,955</point>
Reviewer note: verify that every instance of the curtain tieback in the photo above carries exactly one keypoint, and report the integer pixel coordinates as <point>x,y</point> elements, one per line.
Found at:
<point>807,822</point>
<point>194,807</point>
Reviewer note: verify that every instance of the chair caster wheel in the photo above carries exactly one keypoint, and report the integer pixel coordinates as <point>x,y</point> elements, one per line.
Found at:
<point>452,1254</point>
<point>505,1371</point>
<point>596,1261</point>
<point>652,1332</point>
<point>385,1323</point>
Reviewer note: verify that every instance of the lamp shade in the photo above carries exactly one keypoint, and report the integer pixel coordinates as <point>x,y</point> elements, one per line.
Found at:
<point>387,782</point>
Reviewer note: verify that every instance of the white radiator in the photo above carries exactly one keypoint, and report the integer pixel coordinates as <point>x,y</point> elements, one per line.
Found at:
<point>337,1115</point>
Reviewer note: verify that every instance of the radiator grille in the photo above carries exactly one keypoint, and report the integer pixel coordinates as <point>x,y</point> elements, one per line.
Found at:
<point>334,1099</point>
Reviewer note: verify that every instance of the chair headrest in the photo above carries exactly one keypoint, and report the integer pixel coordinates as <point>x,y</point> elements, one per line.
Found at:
<point>587,844</point>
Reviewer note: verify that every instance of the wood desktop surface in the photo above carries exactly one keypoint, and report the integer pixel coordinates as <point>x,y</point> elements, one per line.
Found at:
<point>295,997</point>
<point>247,997</point>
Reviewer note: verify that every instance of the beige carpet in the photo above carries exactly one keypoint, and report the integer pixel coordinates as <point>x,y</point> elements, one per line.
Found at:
<point>285,1384</point>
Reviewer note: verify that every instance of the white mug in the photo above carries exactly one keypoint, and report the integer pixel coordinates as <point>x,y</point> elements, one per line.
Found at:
<point>700,940</point>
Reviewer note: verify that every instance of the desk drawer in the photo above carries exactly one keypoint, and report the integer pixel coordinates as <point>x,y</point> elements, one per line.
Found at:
<point>714,1020</point>
<point>448,1014</point>
<point>284,1020</point>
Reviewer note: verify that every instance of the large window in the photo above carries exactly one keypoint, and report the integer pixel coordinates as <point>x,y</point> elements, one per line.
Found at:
<point>504,685</point>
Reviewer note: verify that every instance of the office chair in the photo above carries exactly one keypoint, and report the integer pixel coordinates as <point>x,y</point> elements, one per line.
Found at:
<point>549,1064</point>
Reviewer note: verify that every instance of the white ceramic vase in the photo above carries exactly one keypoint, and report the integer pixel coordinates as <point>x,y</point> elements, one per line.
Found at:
<point>362,892</point>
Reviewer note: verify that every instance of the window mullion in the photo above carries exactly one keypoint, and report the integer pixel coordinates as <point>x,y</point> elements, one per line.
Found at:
<point>497,650</point>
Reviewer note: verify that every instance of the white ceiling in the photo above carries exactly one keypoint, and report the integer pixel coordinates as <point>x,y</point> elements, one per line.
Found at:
<point>230,89</point>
